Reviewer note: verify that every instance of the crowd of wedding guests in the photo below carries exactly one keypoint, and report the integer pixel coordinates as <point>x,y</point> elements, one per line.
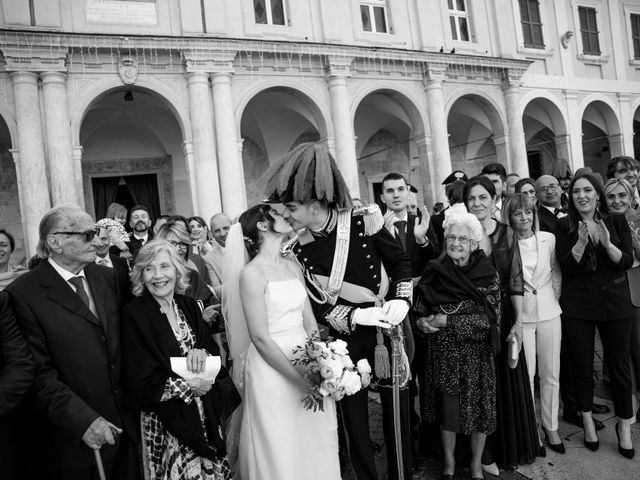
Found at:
<point>511,281</point>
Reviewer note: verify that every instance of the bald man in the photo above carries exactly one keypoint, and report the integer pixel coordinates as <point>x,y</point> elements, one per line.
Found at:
<point>68,309</point>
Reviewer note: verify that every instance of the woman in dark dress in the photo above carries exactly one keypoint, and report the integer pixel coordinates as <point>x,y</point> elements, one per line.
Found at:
<point>181,419</point>
<point>460,293</point>
<point>515,440</point>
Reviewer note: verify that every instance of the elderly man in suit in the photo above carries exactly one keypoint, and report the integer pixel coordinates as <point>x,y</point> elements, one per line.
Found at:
<point>68,309</point>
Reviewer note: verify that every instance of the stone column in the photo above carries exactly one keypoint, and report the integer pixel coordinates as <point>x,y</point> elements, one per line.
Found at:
<point>232,187</point>
<point>574,119</point>
<point>563,147</point>
<point>187,151</point>
<point>204,147</point>
<point>438,127</point>
<point>502,151</point>
<point>77,168</point>
<point>58,127</point>
<point>338,71</point>
<point>616,145</point>
<point>517,143</point>
<point>626,124</point>
<point>431,188</point>
<point>32,176</point>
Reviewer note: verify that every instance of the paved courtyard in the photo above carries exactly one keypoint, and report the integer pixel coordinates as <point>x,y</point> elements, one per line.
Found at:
<point>577,463</point>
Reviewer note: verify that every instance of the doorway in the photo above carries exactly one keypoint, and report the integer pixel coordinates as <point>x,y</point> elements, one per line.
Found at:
<point>127,190</point>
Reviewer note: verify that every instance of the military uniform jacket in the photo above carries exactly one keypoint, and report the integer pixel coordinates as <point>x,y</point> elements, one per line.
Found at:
<point>367,253</point>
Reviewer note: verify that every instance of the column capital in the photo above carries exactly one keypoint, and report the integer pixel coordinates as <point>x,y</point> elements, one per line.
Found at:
<point>187,148</point>
<point>24,76</point>
<point>623,97</point>
<point>77,152</point>
<point>36,59</point>
<point>512,77</point>
<point>53,77</point>
<point>196,77</point>
<point>436,73</point>
<point>209,60</point>
<point>500,139</point>
<point>15,154</point>
<point>423,141</point>
<point>240,145</point>
<point>338,65</point>
<point>570,94</point>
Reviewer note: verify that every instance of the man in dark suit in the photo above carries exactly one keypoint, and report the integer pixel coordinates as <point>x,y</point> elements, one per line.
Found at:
<point>68,309</point>
<point>119,264</point>
<point>140,223</point>
<point>550,210</point>
<point>420,246</point>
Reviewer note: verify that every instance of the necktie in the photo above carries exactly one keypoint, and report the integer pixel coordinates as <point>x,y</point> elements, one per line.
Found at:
<point>401,226</point>
<point>101,261</point>
<point>82,293</point>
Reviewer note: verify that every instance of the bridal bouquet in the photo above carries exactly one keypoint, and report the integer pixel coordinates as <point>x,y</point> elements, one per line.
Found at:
<point>330,371</point>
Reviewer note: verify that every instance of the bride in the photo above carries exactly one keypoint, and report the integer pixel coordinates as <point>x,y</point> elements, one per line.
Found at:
<point>268,315</point>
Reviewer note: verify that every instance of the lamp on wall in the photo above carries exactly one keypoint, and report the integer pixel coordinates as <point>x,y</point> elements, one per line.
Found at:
<point>128,96</point>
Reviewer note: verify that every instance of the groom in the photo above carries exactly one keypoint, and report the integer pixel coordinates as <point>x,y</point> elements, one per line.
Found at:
<point>352,265</point>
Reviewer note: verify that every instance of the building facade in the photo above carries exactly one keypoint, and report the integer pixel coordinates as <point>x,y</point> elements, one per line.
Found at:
<point>183,104</point>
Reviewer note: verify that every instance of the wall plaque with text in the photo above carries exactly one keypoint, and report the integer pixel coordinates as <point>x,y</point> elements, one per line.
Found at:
<point>129,12</point>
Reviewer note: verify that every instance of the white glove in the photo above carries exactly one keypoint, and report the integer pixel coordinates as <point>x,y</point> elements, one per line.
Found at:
<point>395,310</point>
<point>369,317</point>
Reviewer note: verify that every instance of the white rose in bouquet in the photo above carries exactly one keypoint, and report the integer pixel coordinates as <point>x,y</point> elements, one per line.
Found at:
<point>350,382</point>
<point>333,365</point>
<point>339,347</point>
<point>363,366</point>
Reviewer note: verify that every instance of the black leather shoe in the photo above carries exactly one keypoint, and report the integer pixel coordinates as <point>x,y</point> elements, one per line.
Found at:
<point>625,452</point>
<point>599,409</point>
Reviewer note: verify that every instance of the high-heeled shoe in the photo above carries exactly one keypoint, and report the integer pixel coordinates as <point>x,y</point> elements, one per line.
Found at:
<point>625,452</point>
<point>542,452</point>
<point>556,447</point>
<point>593,446</point>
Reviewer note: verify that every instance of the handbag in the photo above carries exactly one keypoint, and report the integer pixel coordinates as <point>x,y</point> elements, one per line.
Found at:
<point>633,279</point>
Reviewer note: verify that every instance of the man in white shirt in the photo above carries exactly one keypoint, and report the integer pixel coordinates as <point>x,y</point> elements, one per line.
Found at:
<point>68,309</point>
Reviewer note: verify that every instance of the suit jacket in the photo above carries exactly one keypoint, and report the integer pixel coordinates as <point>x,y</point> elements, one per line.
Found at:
<point>121,266</point>
<point>16,375</point>
<point>78,361</point>
<point>542,290</point>
<point>548,221</point>
<point>596,288</point>
<point>418,254</point>
<point>135,245</point>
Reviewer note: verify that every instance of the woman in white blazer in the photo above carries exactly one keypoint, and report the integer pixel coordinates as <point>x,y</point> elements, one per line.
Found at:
<point>541,329</point>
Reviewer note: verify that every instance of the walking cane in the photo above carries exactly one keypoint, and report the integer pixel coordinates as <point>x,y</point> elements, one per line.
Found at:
<point>98,457</point>
<point>396,354</point>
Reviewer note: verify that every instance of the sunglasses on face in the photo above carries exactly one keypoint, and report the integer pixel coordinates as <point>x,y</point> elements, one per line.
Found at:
<point>89,235</point>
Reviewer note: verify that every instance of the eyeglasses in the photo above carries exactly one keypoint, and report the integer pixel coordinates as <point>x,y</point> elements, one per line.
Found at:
<point>549,188</point>
<point>89,235</point>
<point>463,240</point>
<point>180,245</point>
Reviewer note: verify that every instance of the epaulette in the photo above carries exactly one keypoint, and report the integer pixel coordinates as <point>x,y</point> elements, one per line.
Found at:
<point>372,217</point>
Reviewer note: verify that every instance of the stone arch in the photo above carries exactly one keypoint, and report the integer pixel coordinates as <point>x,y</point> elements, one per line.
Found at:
<point>389,131</point>
<point>101,88</point>
<point>273,121</point>
<point>10,120</point>
<point>635,120</point>
<point>477,131</point>
<point>601,132</point>
<point>546,132</point>
<point>318,107</point>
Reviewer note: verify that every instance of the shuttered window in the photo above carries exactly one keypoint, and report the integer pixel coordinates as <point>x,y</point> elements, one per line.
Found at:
<point>589,31</point>
<point>635,35</point>
<point>531,23</point>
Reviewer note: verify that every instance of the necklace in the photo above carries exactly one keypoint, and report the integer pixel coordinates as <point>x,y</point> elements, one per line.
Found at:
<point>452,312</point>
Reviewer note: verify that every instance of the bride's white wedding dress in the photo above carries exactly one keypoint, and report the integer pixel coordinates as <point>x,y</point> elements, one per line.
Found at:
<point>279,439</point>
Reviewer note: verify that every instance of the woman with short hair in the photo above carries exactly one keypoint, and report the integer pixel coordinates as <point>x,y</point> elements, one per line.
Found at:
<point>182,420</point>
<point>460,314</point>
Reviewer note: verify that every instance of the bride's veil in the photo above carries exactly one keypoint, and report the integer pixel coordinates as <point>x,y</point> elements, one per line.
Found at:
<point>235,258</point>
